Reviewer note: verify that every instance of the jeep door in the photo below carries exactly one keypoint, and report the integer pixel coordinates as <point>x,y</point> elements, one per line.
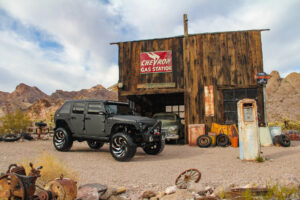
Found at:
<point>95,119</point>
<point>77,118</point>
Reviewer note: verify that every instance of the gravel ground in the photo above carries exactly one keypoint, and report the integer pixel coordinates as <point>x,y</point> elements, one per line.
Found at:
<point>219,166</point>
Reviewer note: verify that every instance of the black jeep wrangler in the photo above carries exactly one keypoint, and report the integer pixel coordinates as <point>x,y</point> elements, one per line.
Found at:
<point>98,121</point>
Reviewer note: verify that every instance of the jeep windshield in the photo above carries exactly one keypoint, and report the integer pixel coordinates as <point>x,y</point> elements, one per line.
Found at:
<point>118,109</point>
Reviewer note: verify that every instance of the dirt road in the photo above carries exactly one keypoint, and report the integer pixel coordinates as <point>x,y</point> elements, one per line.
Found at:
<point>217,165</point>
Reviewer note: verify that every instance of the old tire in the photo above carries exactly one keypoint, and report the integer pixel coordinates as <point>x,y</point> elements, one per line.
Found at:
<point>62,140</point>
<point>93,144</point>
<point>154,148</point>
<point>284,140</point>
<point>122,147</point>
<point>204,141</point>
<point>11,137</point>
<point>222,140</point>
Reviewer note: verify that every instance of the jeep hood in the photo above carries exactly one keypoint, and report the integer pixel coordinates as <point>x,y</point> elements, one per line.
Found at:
<point>133,119</point>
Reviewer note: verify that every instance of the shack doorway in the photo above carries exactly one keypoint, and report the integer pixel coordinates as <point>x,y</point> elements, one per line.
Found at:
<point>148,105</point>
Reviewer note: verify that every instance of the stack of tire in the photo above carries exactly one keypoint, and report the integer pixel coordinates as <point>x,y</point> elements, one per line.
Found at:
<point>282,140</point>
<point>205,141</point>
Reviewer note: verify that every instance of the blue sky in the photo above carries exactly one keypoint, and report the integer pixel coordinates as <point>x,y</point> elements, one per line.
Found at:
<point>64,44</point>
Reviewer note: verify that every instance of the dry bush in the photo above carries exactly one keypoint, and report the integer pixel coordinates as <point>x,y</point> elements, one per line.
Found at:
<point>52,168</point>
<point>287,124</point>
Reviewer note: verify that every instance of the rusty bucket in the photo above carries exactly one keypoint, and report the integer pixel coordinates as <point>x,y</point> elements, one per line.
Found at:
<point>235,142</point>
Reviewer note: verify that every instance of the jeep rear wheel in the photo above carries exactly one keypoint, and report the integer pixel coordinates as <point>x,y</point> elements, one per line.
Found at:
<point>62,140</point>
<point>93,144</point>
<point>122,147</point>
<point>155,148</point>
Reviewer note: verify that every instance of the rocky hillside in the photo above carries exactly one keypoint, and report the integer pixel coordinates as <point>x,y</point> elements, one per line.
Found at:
<point>40,106</point>
<point>283,97</point>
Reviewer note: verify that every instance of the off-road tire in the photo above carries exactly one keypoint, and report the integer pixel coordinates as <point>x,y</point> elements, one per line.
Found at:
<point>93,144</point>
<point>11,137</point>
<point>222,140</point>
<point>204,141</point>
<point>284,140</point>
<point>122,147</point>
<point>62,140</point>
<point>155,148</point>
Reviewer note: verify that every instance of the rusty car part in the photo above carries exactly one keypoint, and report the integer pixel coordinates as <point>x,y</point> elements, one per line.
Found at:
<point>16,185</point>
<point>46,195</point>
<point>186,177</point>
<point>62,188</point>
<point>239,193</point>
<point>14,168</point>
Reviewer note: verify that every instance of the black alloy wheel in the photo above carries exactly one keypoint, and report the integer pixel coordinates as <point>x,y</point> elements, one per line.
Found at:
<point>122,147</point>
<point>155,148</point>
<point>93,144</point>
<point>62,140</point>
<point>204,141</point>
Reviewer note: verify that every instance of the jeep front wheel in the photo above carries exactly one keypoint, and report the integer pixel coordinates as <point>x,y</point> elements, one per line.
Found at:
<point>122,147</point>
<point>93,144</point>
<point>62,140</point>
<point>155,148</point>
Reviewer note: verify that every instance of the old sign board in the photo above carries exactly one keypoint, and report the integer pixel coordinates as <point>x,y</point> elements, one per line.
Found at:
<point>156,85</point>
<point>156,62</point>
<point>262,78</point>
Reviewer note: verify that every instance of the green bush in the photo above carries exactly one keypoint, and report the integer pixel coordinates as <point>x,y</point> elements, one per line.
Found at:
<point>14,122</point>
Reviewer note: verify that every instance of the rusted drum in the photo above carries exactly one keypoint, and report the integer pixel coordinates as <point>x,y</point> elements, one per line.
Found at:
<point>63,188</point>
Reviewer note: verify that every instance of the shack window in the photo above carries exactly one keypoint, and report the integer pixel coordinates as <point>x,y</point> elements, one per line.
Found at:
<point>178,109</point>
<point>231,97</point>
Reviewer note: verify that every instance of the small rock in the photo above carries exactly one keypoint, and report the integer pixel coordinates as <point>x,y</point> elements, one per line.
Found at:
<point>160,194</point>
<point>107,194</point>
<point>148,194</point>
<point>221,190</point>
<point>181,194</point>
<point>171,190</point>
<point>119,190</point>
<point>196,187</point>
<point>91,191</point>
<point>113,197</point>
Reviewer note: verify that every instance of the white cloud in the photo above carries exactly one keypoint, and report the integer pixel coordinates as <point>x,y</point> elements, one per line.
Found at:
<point>84,28</point>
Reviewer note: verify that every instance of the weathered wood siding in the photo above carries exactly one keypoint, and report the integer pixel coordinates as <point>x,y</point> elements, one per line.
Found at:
<point>226,60</point>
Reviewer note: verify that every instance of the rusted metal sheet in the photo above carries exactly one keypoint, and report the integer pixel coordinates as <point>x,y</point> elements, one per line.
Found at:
<point>195,130</point>
<point>156,85</point>
<point>248,129</point>
<point>63,188</point>
<point>156,62</point>
<point>209,100</point>
<point>265,136</point>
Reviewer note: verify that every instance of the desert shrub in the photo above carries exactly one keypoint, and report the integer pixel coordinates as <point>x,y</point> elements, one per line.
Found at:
<point>287,124</point>
<point>52,168</point>
<point>14,122</point>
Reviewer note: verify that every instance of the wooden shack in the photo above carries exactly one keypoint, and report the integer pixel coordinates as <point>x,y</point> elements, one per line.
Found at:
<point>207,75</point>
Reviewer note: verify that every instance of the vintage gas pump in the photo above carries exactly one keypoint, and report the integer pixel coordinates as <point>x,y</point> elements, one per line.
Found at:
<point>248,129</point>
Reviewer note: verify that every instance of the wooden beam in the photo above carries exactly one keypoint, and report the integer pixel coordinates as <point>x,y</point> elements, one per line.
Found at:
<point>151,91</point>
<point>185,22</point>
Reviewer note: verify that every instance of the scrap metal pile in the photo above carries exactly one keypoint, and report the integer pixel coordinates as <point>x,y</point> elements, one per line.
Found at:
<point>16,184</point>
